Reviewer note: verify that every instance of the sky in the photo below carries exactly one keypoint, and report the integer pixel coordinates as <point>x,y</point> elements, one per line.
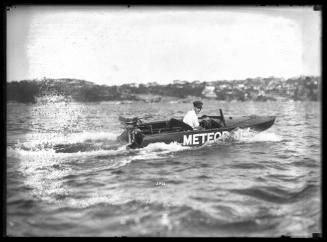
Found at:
<point>113,45</point>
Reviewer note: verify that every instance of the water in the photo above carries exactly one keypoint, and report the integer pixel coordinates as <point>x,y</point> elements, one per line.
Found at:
<point>260,185</point>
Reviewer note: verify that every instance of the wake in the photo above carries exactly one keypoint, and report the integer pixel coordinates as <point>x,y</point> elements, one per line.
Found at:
<point>104,145</point>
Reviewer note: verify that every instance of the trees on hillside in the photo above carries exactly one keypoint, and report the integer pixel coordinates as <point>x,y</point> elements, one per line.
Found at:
<point>302,88</point>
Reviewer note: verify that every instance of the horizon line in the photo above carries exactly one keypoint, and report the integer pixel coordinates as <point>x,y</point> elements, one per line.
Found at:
<point>171,82</point>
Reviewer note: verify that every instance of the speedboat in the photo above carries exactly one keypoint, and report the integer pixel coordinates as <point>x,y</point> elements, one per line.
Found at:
<point>139,134</point>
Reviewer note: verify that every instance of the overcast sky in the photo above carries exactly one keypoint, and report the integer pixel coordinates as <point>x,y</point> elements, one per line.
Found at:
<point>115,44</point>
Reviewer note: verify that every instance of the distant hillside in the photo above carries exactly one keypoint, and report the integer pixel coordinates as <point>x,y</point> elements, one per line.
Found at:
<point>79,90</point>
<point>258,89</point>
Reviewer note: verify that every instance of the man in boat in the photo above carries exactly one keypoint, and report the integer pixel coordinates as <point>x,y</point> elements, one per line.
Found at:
<point>191,117</point>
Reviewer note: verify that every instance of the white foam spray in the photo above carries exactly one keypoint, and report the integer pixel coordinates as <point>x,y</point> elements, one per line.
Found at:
<point>250,136</point>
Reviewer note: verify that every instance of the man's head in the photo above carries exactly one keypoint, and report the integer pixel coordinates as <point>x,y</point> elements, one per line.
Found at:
<point>197,106</point>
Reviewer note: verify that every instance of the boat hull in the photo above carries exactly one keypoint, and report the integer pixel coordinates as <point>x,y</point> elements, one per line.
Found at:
<point>200,137</point>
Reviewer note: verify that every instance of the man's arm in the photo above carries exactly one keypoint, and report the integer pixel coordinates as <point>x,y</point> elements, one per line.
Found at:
<point>187,119</point>
<point>196,124</point>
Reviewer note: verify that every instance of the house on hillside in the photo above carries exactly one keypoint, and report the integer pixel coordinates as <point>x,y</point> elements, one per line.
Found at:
<point>178,82</point>
<point>209,92</point>
<point>136,85</point>
<point>151,84</point>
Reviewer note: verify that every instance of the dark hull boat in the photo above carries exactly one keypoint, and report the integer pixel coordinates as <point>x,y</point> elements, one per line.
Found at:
<point>139,134</point>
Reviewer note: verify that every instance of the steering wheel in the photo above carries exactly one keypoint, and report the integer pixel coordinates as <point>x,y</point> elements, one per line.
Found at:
<point>205,123</point>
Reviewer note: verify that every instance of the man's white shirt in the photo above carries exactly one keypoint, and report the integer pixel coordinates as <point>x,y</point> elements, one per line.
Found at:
<point>191,119</point>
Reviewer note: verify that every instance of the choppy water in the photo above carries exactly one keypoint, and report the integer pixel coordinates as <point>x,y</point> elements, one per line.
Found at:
<point>265,184</point>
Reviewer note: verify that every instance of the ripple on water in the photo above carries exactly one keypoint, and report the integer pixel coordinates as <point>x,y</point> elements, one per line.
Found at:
<point>277,195</point>
<point>203,177</point>
<point>306,162</point>
<point>286,178</point>
<point>255,165</point>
